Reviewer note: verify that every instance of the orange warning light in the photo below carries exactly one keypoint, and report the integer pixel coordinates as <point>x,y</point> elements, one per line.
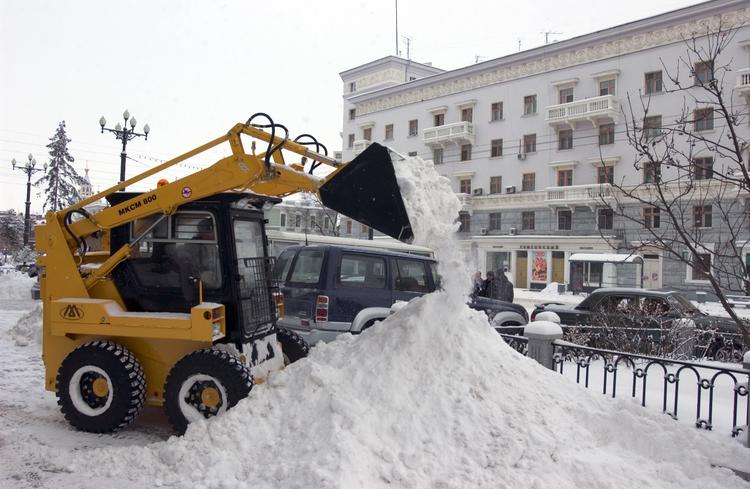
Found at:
<point>162,182</point>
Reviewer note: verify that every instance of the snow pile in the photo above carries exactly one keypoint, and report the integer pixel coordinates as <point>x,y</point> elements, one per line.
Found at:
<point>16,285</point>
<point>28,329</point>
<point>430,397</point>
<point>551,288</point>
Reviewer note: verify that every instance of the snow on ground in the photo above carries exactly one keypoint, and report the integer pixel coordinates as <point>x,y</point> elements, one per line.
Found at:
<point>431,397</point>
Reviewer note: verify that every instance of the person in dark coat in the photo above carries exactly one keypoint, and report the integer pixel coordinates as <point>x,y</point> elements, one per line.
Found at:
<point>478,289</point>
<point>505,288</point>
<point>491,289</point>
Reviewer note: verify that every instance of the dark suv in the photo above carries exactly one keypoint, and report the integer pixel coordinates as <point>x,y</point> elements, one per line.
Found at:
<point>330,289</point>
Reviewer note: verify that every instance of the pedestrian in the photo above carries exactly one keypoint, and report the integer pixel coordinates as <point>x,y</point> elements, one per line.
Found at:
<point>505,288</point>
<point>478,289</point>
<point>491,287</point>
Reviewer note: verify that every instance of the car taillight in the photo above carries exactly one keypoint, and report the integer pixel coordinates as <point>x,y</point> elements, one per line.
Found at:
<point>321,308</point>
<point>278,299</point>
<point>533,314</point>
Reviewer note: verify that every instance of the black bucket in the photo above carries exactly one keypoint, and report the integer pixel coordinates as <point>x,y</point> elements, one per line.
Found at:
<point>366,191</point>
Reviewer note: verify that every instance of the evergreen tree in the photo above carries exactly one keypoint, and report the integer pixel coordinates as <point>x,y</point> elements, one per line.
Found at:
<point>11,232</point>
<point>60,180</point>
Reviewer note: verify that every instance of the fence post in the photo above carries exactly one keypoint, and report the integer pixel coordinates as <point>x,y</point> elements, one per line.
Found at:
<point>541,334</point>
<point>746,366</point>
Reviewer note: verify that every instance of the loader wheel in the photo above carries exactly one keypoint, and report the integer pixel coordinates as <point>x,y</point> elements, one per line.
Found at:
<point>100,387</point>
<point>293,345</point>
<point>204,384</point>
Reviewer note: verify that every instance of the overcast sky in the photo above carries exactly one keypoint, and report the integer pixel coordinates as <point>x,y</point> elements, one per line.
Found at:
<point>192,69</point>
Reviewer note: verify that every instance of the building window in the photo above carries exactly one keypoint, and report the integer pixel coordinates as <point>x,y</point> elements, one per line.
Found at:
<point>651,172</point>
<point>352,86</point>
<point>363,228</point>
<point>564,220</point>
<point>703,168</point>
<point>464,186</point>
<point>496,147</point>
<point>527,220</point>
<point>653,82</point>
<point>701,266</point>
<point>652,217</point>
<point>652,126</point>
<point>605,174</point>
<point>529,105</point>
<point>564,178</point>
<point>438,119</point>
<point>326,223</point>
<point>496,185</point>
<point>702,216</point>
<point>528,182</point>
<point>297,221</point>
<point>495,220</point>
<point>606,134</point>
<point>348,227</point>
<point>282,222</point>
<point>350,141</point>
<point>413,127</point>
<point>467,114</point>
<point>465,220</point>
<point>565,139</point>
<point>388,132</point>
<point>312,222</point>
<point>352,114</point>
<point>465,152</point>
<point>703,72</point>
<point>605,218</point>
<point>607,87</point>
<point>529,143</point>
<point>703,119</point>
<point>437,156</point>
<point>566,95</point>
<point>367,134</point>
<point>496,111</point>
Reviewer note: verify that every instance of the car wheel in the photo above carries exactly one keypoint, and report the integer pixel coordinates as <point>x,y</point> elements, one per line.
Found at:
<point>293,346</point>
<point>204,384</point>
<point>100,387</point>
<point>728,354</point>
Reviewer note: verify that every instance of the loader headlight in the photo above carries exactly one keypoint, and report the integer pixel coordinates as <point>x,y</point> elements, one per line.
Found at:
<point>215,329</point>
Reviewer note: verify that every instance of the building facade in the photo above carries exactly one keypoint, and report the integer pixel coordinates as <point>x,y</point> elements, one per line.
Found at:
<point>531,142</point>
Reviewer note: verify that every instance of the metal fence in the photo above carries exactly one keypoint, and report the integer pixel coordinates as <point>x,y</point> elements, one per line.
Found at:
<point>693,382</point>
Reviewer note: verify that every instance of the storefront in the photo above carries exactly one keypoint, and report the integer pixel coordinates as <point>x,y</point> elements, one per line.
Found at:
<point>590,271</point>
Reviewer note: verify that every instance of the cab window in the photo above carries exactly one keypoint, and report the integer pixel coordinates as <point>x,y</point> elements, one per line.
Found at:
<point>362,272</point>
<point>283,263</point>
<point>307,267</point>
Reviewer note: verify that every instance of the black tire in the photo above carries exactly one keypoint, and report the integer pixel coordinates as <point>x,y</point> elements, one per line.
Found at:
<point>96,366</point>
<point>203,372</point>
<point>728,354</point>
<point>293,346</point>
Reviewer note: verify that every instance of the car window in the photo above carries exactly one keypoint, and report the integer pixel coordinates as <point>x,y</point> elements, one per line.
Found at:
<point>617,304</point>
<point>361,271</point>
<point>283,262</point>
<point>411,275</point>
<point>655,306</point>
<point>307,267</point>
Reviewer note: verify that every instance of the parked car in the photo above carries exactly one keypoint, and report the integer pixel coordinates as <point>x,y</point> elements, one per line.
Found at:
<point>329,289</point>
<point>648,317</point>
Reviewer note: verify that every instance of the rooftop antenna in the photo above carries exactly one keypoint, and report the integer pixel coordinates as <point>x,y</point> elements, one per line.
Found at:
<point>397,53</point>
<point>408,40</point>
<point>519,44</point>
<point>478,58</point>
<point>547,34</point>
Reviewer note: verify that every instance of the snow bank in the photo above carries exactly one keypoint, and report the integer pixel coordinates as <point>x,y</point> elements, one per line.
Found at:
<point>16,285</point>
<point>551,288</point>
<point>429,397</point>
<point>28,329</point>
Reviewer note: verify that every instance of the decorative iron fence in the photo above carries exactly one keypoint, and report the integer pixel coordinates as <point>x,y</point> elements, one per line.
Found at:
<point>699,383</point>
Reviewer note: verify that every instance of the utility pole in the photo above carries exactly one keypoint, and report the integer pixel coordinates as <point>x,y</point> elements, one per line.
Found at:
<point>29,169</point>
<point>124,134</point>
<point>396,27</point>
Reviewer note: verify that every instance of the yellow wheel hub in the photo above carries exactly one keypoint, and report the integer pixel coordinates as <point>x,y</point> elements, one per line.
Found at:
<point>100,387</point>
<point>210,397</point>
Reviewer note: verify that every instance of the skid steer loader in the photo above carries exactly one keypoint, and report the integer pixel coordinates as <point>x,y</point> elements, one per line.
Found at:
<point>179,309</point>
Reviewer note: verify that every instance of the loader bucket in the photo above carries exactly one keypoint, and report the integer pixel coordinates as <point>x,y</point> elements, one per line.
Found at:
<point>366,190</point>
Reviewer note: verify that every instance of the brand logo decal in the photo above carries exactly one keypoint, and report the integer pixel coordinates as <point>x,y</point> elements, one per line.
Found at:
<point>72,312</point>
<point>186,192</point>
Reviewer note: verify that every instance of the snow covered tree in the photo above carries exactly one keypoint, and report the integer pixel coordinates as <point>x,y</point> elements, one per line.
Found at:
<point>11,231</point>
<point>60,180</point>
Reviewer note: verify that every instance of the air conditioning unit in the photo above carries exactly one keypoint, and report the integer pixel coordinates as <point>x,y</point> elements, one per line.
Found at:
<point>512,231</point>
<point>477,191</point>
<point>510,190</point>
<point>483,231</point>
<point>521,156</point>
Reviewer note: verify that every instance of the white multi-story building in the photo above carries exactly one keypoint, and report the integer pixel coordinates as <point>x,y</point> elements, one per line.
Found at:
<point>532,141</point>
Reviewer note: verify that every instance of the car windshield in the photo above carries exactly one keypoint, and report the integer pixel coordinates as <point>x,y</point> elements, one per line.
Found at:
<point>681,303</point>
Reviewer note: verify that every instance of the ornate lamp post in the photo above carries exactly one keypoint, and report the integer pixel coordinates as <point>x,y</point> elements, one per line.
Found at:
<point>124,134</point>
<point>29,169</point>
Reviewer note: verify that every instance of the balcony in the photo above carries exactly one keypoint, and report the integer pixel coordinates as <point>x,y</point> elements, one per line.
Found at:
<point>466,202</point>
<point>592,195</point>
<point>590,109</point>
<point>743,81</point>
<point>360,145</point>
<point>457,133</point>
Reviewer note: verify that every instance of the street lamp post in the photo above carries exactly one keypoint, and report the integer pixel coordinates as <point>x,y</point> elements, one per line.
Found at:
<point>29,169</point>
<point>124,134</point>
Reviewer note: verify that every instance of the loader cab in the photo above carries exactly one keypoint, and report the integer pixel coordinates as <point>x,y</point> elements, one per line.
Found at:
<point>219,241</point>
